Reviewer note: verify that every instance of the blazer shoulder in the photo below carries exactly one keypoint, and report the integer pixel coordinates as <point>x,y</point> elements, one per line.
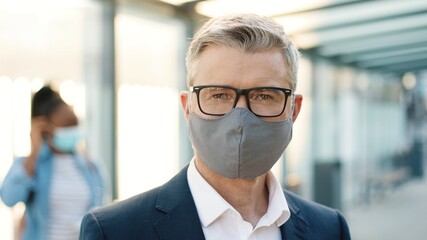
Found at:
<point>138,215</point>
<point>159,199</point>
<point>126,209</point>
<point>298,204</point>
<point>318,218</point>
<point>126,219</point>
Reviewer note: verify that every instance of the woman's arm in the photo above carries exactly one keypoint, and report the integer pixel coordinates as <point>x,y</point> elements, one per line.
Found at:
<point>17,185</point>
<point>19,181</point>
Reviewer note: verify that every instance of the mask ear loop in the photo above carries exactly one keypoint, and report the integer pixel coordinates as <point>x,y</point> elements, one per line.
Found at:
<point>189,102</point>
<point>291,113</point>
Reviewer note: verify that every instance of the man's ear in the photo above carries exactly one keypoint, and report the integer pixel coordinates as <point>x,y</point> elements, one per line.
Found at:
<point>185,103</point>
<point>297,107</point>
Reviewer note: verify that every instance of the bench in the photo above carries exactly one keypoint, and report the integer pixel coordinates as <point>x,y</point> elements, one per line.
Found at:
<point>389,180</point>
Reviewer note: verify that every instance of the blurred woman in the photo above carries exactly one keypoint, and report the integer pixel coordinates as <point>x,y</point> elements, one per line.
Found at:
<point>57,185</point>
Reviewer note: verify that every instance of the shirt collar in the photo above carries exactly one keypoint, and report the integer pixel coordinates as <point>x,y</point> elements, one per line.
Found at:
<point>278,210</point>
<point>210,205</point>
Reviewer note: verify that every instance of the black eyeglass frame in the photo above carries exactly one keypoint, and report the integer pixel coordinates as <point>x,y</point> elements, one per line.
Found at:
<point>239,92</point>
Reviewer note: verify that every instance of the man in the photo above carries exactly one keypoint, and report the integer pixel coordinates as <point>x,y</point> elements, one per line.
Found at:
<point>242,76</point>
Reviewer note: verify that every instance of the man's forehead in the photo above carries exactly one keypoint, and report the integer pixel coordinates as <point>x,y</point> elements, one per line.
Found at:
<point>225,65</point>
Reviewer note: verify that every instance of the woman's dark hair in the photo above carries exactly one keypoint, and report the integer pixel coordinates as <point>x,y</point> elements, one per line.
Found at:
<point>45,101</point>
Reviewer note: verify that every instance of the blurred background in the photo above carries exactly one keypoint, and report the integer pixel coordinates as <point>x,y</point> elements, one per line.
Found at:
<point>358,145</point>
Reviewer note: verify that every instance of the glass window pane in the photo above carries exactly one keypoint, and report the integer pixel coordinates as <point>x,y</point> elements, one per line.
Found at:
<point>148,61</point>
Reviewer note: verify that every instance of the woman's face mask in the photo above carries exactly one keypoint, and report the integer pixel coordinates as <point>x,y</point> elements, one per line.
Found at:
<point>64,133</point>
<point>66,139</point>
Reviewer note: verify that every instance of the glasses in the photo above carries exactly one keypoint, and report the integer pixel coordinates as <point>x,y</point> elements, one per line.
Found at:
<point>262,101</point>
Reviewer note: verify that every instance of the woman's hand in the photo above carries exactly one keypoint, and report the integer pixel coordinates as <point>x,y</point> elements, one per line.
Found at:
<point>39,133</point>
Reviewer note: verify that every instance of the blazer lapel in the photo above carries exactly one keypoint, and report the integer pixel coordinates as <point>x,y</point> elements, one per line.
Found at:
<point>290,231</point>
<point>181,220</point>
<point>295,227</point>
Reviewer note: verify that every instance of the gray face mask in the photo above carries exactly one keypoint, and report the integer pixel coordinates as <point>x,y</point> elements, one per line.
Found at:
<point>239,144</point>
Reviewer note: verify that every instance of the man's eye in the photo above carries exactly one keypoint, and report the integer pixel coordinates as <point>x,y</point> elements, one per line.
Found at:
<point>262,97</point>
<point>265,97</point>
<point>221,96</point>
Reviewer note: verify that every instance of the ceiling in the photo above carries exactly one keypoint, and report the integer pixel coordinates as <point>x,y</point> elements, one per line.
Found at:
<point>383,35</point>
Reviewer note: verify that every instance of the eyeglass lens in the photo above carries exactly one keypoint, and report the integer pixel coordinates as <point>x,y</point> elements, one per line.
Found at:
<point>262,101</point>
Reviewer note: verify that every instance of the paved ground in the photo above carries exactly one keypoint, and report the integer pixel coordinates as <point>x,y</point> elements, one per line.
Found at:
<point>400,215</point>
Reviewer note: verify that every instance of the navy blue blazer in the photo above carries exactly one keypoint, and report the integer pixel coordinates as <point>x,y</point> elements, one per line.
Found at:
<point>169,212</point>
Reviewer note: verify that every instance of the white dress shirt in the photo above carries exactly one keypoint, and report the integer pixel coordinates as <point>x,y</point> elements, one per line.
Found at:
<point>221,221</point>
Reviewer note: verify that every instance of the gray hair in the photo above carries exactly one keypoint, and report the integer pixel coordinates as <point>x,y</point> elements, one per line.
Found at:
<point>247,32</point>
